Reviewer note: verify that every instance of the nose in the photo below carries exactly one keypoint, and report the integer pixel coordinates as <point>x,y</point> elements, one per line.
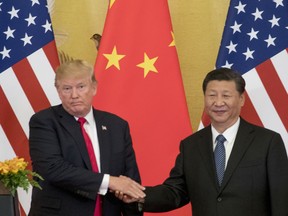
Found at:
<point>74,93</point>
<point>219,101</point>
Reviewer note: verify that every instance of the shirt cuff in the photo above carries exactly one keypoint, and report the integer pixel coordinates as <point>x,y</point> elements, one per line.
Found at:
<point>104,185</point>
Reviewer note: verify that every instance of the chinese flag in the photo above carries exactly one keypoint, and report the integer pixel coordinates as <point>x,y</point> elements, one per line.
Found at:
<point>140,80</point>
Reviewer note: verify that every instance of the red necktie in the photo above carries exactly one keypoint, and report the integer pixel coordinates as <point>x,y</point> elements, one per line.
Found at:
<point>81,120</point>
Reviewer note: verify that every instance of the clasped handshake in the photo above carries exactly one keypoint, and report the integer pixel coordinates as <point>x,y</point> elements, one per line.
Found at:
<point>126,189</point>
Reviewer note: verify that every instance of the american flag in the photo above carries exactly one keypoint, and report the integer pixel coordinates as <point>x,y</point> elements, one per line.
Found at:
<point>28,58</point>
<point>255,42</point>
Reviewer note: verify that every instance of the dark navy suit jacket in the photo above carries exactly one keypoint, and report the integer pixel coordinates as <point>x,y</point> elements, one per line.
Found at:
<point>58,153</point>
<point>255,181</point>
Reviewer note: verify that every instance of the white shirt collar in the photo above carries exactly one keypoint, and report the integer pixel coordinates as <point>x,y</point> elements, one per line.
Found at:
<point>89,117</point>
<point>229,133</point>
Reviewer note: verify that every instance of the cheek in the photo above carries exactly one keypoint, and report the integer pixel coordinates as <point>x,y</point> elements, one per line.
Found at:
<point>208,103</point>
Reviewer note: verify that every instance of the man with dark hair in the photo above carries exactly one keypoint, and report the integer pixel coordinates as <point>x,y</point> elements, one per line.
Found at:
<point>229,168</point>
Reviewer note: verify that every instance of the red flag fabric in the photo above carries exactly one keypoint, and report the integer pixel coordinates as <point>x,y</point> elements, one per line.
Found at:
<point>28,58</point>
<point>255,43</point>
<point>139,79</point>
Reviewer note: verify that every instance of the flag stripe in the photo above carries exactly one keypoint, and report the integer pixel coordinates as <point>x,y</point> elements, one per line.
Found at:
<point>12,128</point>
<point>45,74</point>
<point>22,210</point>
<point>249,112</point>
<point>278,96</point>
<point>50,51</point>
<point>280,62</point>
<point>7,80</point>
<point>30,85</point>
<point>6,149</point>
<point>258,96</point>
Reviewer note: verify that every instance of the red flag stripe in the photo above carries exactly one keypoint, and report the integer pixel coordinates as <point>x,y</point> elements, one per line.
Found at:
<point>205,120</point>
<point>278,96</point>
<point>249,113</point>
<point>30,85</point>
<point>51,53</point>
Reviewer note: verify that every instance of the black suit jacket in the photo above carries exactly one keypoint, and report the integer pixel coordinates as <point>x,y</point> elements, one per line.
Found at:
<point>255,181</point>
<point>58,153</point>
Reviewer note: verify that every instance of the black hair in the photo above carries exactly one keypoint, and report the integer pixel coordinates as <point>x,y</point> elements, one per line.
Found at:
<point>225,74</point>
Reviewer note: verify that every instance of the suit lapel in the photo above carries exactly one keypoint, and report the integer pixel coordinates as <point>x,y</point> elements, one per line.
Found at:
<point>69,123</point>
<point>242,142</point>
<point>206,151</point>
<point>103,139</point>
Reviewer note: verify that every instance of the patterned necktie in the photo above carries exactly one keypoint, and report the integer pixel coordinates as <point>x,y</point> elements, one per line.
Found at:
<point>90,149</point>
<point>219,155</point>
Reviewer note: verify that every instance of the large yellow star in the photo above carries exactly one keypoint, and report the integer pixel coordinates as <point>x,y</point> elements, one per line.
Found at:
<point>148,65</point>
<point>113,58</point>
<point>173,41</point>
<point>111,3</point>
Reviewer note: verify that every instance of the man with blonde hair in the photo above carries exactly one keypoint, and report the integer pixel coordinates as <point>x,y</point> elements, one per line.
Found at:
<point>81,152</point>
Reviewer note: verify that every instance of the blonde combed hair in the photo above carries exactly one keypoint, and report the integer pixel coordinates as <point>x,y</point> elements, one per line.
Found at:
<point>74,68</point>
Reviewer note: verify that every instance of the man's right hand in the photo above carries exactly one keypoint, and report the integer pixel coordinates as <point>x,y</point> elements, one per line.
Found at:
<point>126,189</point>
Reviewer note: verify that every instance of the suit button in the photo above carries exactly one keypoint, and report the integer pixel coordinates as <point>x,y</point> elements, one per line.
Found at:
<point>219,199</point>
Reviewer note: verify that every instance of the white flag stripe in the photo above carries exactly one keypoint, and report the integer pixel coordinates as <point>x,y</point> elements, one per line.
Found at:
<point>45,75</point>
<point>21,106</point>
<point>263,105</point>
<point>280,62</point>
<point>25,198</point>
<point>201,125</point>
<point>6,150</point>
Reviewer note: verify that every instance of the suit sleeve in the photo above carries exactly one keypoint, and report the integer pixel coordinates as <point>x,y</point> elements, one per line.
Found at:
<point>278,176</point>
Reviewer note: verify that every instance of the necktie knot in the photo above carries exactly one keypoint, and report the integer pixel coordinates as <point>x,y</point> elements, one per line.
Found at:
<point>81,120</point>
<point>220,139</point>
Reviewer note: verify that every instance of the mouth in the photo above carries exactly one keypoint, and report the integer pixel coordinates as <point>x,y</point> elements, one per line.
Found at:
<point>76,103</point>
<point>219,112</point>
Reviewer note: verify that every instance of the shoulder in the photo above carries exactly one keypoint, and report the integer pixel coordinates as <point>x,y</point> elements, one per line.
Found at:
<point>105,116</point>
<point>47,113</point>
<point>203,135</point>
<point>258,130</point>
<point>259,134</point>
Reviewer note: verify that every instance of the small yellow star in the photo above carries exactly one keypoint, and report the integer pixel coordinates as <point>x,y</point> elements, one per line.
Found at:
<point>148,65</point>
<point>173,41</point>
<point>111,3</point>
<point>113,58</point>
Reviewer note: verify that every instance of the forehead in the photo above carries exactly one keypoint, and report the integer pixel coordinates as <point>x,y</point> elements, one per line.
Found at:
<point>74,78</point>
<point>221,85</point>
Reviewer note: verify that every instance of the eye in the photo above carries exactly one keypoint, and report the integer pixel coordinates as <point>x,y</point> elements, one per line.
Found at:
<point>66,88</point>
<point>82,87</point>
